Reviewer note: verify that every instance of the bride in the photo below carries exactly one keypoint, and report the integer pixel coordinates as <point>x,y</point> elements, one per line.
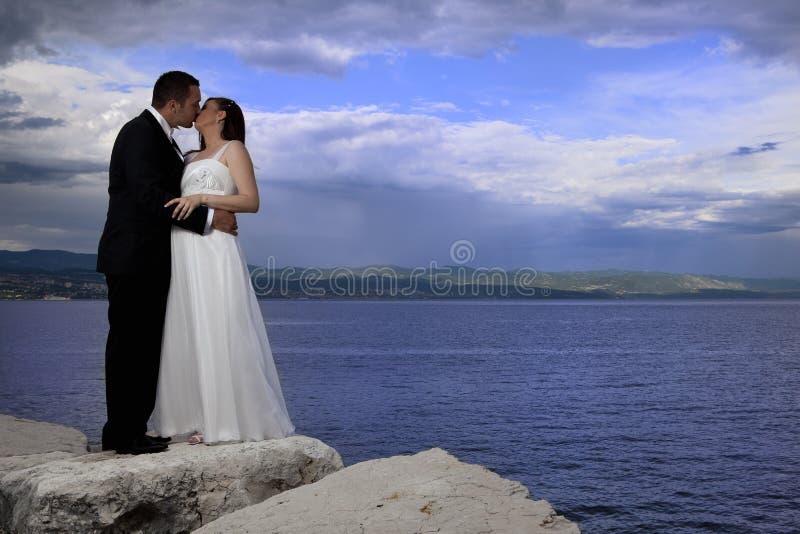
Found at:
<point>217,378</point>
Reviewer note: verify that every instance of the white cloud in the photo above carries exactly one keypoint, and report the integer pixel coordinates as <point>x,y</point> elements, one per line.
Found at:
<point>670,168</point>
<point>424,106</point>
<point>726,47</point>
<point>373,148</point>
<point>91,112</point>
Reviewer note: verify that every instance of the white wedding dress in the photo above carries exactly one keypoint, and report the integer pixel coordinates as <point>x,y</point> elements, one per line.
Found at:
<point>217,374</point>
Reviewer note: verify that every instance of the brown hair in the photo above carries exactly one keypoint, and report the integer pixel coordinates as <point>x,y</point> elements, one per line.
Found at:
<point>233,125</point>
<point>172,85</point>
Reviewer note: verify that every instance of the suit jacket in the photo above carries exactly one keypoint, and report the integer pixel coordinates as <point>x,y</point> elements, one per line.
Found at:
<point>144,174</point>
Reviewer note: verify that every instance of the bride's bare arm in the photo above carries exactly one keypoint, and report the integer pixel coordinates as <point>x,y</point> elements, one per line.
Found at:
<point>246,201</point>
<point>241,169</point>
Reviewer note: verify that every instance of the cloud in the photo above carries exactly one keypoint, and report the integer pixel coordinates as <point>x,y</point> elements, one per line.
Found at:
<point>64,120</point>
<point>712,212</point>
<point>755,213</point>
<point>747,150</point>
<point>358,226</point>
<point>20,28</point>
<point>425,106</point>
<point>30,123</point>
<point>335,183</point>
<point>53,171</point>
<point>300,55</point>
<point>9,99</point>
<point>621,181</point>
<point>627,180</point>
<point>324,37</point>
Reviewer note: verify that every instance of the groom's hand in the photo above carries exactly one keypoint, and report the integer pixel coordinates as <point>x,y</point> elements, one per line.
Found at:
<point>224,221</point>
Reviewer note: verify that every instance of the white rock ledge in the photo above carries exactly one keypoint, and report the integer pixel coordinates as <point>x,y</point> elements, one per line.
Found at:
<point>431,491</point>
<point>294,485</point>
<point>25,443</point>
<point>174,491</point>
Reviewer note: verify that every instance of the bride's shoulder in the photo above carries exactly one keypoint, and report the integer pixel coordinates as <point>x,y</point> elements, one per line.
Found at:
<point>236,149</point>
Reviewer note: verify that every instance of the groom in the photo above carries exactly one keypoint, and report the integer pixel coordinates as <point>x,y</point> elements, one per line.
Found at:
<point>134,254</point>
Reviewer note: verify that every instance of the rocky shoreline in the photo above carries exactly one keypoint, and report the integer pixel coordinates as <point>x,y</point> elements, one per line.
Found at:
<point>49,482</point>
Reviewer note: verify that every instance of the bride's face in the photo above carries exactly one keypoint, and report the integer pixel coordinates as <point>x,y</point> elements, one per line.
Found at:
<point>209,115</point>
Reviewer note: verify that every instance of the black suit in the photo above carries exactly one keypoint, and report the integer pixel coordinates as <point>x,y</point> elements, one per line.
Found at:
<point>134,254</point>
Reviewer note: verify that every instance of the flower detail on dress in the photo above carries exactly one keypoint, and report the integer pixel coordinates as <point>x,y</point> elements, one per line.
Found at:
<point>202,179</point>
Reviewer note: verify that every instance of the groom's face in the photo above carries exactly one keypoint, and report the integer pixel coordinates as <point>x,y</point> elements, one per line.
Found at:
<point>188,110</point>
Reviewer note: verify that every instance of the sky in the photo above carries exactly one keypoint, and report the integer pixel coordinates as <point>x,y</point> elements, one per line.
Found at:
<point>556,134</point>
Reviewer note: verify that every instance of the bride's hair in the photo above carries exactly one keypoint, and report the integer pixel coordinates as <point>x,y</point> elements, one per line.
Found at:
<point>233,125</point>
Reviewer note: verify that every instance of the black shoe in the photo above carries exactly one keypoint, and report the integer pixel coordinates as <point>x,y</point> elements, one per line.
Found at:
<point>141,445</point>
<point>150,439</point>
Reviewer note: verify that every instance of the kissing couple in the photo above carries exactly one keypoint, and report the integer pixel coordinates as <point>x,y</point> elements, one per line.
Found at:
<point>187,349</point>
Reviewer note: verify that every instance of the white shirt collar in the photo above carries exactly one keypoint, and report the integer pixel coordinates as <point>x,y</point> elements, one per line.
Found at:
<point>162,121</point>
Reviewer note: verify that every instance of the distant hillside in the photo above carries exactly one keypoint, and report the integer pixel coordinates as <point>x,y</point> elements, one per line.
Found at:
<point>45,260</point>
<point>624,282</point>
<point>38,274</point>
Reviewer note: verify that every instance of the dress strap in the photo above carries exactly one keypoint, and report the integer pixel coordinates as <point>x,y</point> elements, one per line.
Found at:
<point>221,151</point>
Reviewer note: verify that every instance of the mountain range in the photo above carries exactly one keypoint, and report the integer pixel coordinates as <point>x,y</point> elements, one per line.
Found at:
<point>59,275</point>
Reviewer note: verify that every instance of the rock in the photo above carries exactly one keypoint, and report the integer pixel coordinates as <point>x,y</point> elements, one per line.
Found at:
<point>174,491</point>
<point>431,491</point>
<point>25,443</point>
<point>15,463</point>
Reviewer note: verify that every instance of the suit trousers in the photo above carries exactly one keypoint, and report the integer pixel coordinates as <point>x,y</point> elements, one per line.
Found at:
<point>137,305</point>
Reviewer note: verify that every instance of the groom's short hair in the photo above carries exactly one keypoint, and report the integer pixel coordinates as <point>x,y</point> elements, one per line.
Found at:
<point>172,85</point>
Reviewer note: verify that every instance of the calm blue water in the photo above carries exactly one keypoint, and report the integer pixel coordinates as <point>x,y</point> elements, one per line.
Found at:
<point>625,416</point>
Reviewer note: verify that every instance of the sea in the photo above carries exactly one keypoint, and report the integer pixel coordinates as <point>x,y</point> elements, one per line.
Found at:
<point>626,416</point>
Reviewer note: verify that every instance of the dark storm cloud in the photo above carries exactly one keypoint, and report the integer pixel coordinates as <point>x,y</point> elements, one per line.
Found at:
<point>413,228</point>
<point>667,200</point>
<point>759,213</point>
<point>323,35</point>
<point>747,150</point>
<point>18,172</point>
<point>355,226</point>
<point>29,123</point>
<point>37,123</point>
<point>733,213</point>
<point>9,99</point>
<point>20,24</point>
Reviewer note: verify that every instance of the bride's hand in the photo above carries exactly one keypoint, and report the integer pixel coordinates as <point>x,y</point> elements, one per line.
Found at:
<point>185,205</point>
